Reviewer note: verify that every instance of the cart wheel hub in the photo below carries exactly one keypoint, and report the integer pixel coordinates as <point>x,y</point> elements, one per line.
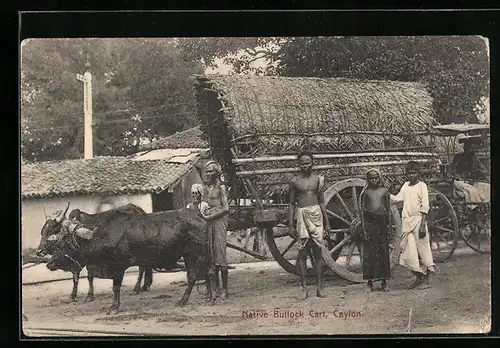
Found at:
<point>355,228</point>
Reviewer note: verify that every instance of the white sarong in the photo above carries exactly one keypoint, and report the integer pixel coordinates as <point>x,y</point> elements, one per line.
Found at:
<point>310,224</point>
<point>413,247</point>
<point>415,200</point>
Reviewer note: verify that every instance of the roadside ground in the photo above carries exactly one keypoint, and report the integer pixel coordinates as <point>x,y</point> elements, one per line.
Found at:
<point>458,302</point>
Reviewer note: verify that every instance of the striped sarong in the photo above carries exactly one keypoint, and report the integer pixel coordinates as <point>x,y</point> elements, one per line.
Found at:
<point>217,232</point>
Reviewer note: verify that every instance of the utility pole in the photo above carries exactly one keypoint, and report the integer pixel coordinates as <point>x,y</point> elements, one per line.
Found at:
<point>86,78</point>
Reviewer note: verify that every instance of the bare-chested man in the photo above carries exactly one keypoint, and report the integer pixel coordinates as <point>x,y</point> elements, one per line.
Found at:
<point>217,217</point>
<point>307,206</point>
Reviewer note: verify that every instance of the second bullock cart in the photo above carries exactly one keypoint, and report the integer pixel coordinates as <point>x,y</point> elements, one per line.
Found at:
<point>256,125</point>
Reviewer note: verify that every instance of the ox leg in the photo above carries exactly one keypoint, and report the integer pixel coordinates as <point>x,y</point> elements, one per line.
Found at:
<point>90,294</point>
<point>148,278</point>
<point>76,278</point>
<point>191,280</point>
<point>208,283</point>
<point>137,287</point>
<point>117,284</point>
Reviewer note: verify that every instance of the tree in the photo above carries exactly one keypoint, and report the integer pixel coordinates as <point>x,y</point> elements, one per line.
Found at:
<point>455,69</point>
<point>141,89</point>
<point>240,53</point>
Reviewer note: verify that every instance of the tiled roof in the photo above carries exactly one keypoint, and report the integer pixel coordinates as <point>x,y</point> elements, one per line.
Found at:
<point>101,175</point>
<point>189,138</point>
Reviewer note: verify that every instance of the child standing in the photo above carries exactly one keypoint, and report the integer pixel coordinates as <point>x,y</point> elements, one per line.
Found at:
<point>415,242</point>
<point>375,219</point>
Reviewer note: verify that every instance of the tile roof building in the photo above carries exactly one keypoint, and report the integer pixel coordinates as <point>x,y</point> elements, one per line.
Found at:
<point>106,175</point>
<point>154,180</point>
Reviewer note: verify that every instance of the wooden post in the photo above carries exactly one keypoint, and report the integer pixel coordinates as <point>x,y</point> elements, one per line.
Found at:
<point>334,156</point>
<point>328,166</point>
<point>86,78</point>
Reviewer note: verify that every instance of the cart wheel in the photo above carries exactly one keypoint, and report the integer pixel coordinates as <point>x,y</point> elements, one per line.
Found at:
<point>443,226</point>
<point>342,206</point>
<point>478,238</point>
<point>284,250</point>
<point>342,203</point>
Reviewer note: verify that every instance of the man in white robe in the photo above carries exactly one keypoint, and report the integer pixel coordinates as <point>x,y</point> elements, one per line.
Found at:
<point>416,254</point>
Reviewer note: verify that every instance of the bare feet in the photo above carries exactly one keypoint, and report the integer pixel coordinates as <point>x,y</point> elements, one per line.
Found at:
<point>384,286</point>
<point>320,293</point>
<point>417,282</point>
<point>369,286</point>
<point>425,283</point>
<point>112,310</point>
<point>423,286</point>
<point>305,293</point>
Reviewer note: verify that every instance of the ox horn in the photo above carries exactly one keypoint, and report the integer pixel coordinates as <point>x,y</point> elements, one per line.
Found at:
<point>65,211</point>
<point>45,213</point>
<point>62,214</point>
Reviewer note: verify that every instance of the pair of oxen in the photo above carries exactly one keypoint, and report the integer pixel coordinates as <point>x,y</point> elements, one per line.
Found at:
<point>108,243</point>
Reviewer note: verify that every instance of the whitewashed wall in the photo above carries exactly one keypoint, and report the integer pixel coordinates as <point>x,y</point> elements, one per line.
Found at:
<point>33,218</point>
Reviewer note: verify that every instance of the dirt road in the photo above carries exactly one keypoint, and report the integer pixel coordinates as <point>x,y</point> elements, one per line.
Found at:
<point>458,302</point>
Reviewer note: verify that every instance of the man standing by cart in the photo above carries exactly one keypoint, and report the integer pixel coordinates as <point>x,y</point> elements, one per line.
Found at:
<point>307,206</point>
<point>217,217</point>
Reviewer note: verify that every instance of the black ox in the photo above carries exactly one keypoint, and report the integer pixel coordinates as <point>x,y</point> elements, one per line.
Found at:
<point>121,238</point>
<point>71,260</point>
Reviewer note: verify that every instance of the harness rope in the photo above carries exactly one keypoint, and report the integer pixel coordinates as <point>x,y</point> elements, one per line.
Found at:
<point>69,227</point>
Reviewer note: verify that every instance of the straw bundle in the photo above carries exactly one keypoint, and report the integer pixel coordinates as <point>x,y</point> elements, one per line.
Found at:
<point>263,115</point>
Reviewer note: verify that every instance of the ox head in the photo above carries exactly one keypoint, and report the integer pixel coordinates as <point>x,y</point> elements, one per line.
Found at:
<point>66,260</point>
<point>50,229</point>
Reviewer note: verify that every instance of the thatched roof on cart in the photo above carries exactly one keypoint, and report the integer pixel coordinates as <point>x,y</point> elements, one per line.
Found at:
<point>268,104</point>
<point>255,116</point>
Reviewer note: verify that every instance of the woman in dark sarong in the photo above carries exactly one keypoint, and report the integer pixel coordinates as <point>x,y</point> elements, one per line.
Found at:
<point>375,206</point>
<point>217,217</point>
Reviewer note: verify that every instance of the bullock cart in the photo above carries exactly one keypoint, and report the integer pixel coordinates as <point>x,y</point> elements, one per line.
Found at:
<point>475,232</point>
<point>256,125</point>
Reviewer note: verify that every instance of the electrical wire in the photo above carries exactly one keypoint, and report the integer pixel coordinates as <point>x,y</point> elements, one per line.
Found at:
<point>119,120</point>
<point>139,109</point>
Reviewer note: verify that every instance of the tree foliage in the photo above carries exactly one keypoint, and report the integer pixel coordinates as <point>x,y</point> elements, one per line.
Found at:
<point>144,78</point>
<point>455,69</point>
<point>142,89</point>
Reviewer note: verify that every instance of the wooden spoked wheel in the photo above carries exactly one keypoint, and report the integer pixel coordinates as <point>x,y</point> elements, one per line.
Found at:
<point>443,226</point>
<point>342,202</point>
<point>284,250</point>
<point>477,234</point>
